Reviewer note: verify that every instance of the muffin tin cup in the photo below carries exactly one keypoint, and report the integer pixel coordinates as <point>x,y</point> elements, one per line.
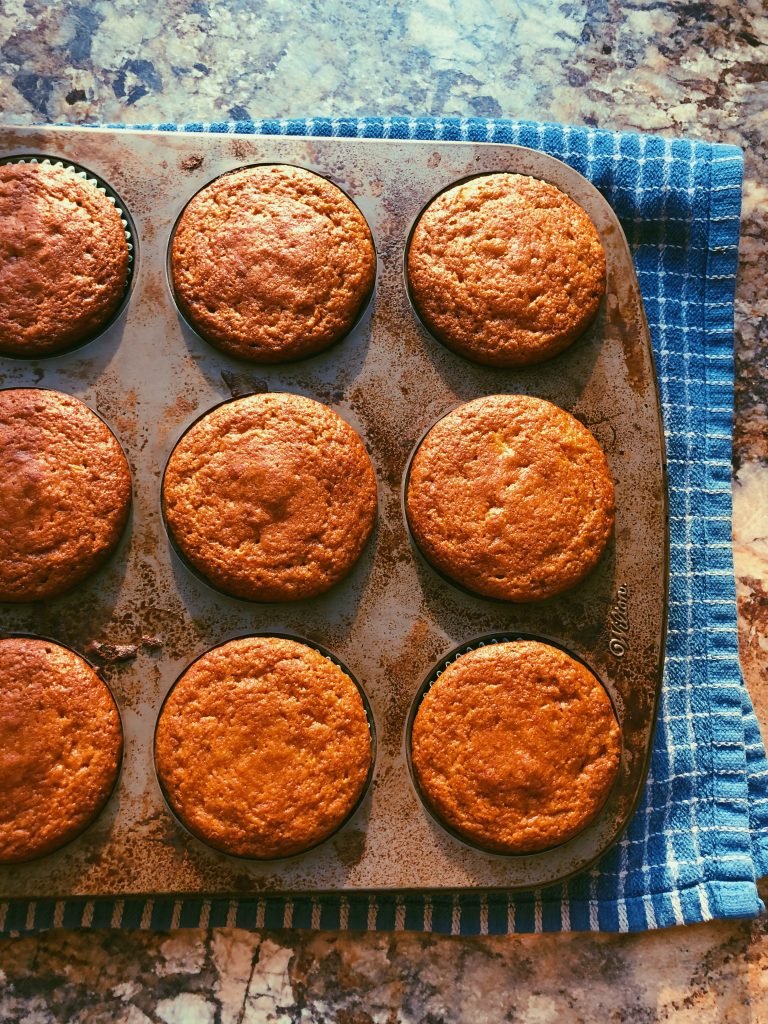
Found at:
<point>131,238</point>
<point>14,635</point>
<point>125,528</point>
<point>434,674</point>
<point>440,573</point>
<point>363,793</point>
<point>198,573</point>
<point>498,368</point>
<point>363,311</point>
<point>407,282</point>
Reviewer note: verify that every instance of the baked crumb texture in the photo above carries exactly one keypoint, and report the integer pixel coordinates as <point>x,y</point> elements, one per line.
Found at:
<point>63,259</point>
<point>60,747</point>
<point>65,493</point>
<point>263,747</point>
<point>516,746</point>
<point>272,263</point>
<point>271,497</point>
<point>511,497</point>
<point>505,269</point>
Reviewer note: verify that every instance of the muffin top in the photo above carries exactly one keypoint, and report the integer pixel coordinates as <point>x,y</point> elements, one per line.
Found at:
<point>271,497</point>
<point>516,746</point>
<point>65,492</point>
<point>511,497</point>
<point>505,269</point>
<point>272,263</point>
<point>61,744</point>
<point>63,259</point>
<point>263,747</point>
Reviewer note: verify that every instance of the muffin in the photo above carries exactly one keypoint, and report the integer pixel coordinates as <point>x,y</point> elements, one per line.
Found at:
<point>516,746</point>
<point>61,744</point>
<point>272,263</point>
<point>271,497</point>
<point>263,747</point>
<point>65,493</point>
<point>63,259</point>
<point>510,497</point>
<point>505,269</point>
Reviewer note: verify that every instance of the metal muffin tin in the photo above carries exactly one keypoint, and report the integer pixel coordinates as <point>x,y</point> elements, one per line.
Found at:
<point>392,619</point>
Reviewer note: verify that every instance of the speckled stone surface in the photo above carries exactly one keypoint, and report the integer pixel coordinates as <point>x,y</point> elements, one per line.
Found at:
<point>676,68</point>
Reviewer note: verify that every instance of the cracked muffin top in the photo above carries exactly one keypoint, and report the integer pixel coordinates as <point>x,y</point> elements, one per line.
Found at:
<point>272,263</point>
<point>263,747</point>
<point>61,745</point>
<point>511,497</point>
<point>63,259</point>
<point>271,497</point>
<point>65,493</point>
<point>505,269</point>
<point>516,746</point>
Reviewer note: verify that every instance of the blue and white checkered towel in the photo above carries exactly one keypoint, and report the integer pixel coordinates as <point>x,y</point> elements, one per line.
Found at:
<point>699,839</point>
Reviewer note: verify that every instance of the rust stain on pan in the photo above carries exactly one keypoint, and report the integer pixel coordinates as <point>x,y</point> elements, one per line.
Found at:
<point>393,618</point>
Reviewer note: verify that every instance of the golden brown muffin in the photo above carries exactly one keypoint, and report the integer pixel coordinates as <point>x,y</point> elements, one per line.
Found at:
<point>65,493</point>
<point>63,259</point>
<point>511,497</point>
<point>263,747</point>
<point>506,270</point>
<point>61,744</point>
<point>272,263</point>
<point>516,746</point>
<point>271,497</point>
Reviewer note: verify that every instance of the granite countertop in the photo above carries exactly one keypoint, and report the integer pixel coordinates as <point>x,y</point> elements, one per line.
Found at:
<point>679,68</point>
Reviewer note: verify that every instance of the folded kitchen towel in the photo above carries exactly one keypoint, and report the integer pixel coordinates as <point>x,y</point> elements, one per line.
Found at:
<point>699,839</point>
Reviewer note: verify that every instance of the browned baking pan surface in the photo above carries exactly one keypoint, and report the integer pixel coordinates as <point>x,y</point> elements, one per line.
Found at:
<point>145,616</point>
